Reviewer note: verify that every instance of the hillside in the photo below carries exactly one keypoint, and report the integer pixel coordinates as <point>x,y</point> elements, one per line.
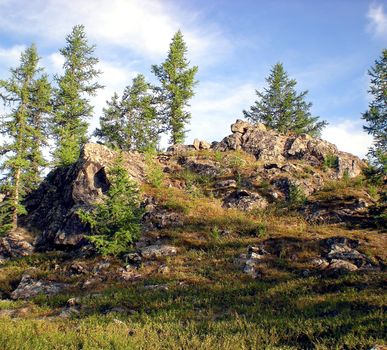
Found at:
<point>260,241</point>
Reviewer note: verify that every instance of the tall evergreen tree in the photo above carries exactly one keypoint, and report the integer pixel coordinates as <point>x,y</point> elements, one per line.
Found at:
<point>177,83</point>
<point>376,115</point>
<point>131,123</point>
<point>72,106</point>
<point>280,107</point>
<point>26,95</point>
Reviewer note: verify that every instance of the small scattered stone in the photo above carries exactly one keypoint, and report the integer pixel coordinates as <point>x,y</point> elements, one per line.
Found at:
<point>157,251</point>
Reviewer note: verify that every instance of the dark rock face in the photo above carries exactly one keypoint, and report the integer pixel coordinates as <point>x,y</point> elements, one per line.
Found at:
<point>351,210</point>
<point>52,207</point>
<point>245,200</point>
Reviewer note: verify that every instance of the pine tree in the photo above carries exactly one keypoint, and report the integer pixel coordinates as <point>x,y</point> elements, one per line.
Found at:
<point>177,83</point>
<point>26,96</point>
<point>72,106</point>
<point>131,123</point>
<point>280,107</point>
<point>376,115</point>
<point>115,223</point>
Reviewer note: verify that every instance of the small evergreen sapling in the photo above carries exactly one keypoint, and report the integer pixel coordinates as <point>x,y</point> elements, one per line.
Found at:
<point>115,223</point>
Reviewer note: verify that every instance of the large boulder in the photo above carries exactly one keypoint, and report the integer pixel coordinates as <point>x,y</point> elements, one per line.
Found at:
<point>52,208</point>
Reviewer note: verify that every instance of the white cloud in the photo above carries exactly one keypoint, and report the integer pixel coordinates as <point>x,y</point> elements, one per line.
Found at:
<point>144,26</point>
<point>348,136</point>
<point>378,20</point>
<point>216,106</point>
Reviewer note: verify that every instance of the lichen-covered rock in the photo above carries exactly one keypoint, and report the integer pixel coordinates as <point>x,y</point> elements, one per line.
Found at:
<point>16,244</point>
<point>158,251</point>
<point>30,287</point>
<point>271,146</point>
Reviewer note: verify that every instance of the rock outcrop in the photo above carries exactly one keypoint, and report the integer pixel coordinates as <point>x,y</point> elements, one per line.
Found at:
<point>273,147</point>
<point>279,164</point>
<point>52,207</point>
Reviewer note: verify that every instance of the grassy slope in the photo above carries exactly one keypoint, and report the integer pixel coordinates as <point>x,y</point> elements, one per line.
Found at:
<point>210,303</point>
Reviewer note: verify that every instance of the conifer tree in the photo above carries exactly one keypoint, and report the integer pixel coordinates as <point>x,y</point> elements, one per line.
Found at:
<point>115,223</point>
<point>131,123</point>
<point>72,106</point>
<point>280,107</point>
<point>26,95</point>
<point>177,83</point>
<point>376,115</point>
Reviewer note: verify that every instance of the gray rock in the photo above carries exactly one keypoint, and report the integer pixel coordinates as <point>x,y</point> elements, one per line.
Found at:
<point>245,200</point>
<point>341,266</point>
<point>225,184</point>
<point>156,287</point>
<point>16,244</point>
<point>240,126</point>
<point>158,251</point>
<point>30,287</point>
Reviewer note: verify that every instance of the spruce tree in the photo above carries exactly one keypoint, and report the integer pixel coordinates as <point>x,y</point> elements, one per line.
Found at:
<point>26,95</point>
<point>177,83</point>
<point>115,223</point>
<point>131,123</point>
<point>72,106</point>
<point>280,107</point>
<point>376,115</point>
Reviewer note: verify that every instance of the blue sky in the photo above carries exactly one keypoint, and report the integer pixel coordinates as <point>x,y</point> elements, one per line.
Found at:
<point>327,46</point>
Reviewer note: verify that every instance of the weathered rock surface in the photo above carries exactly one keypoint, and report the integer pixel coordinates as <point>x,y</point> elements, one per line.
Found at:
<point>353,210</point>
<point>30,287</point>
<point>52,207</point>
<point>245,200</point>
<point>271,146</point>
<point>158,251</point>
<point>16,244</point>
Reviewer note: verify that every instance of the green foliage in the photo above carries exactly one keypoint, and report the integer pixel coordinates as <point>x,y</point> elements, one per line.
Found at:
<point>71,105</point>
<point>296,196</point>
<point>26,95</point>
<point>115,223</point>
<point>331,161</point>
<point>177,83</point>
<point>281,108</point>
<point>154,171</point>
<point>218,156</point>
<point>376,115</point>
<point>131,123</point>
<point>215,233</point>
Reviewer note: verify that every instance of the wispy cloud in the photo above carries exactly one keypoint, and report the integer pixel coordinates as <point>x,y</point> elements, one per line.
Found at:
<point>143,26</point>
<point>377,20</point>
<point>216,106</point>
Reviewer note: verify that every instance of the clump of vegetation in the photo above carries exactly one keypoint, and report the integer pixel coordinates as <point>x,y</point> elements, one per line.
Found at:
<point>155,174</point>
<point>296,196</point>
<point>331,161</point>
<point>115,223</point>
